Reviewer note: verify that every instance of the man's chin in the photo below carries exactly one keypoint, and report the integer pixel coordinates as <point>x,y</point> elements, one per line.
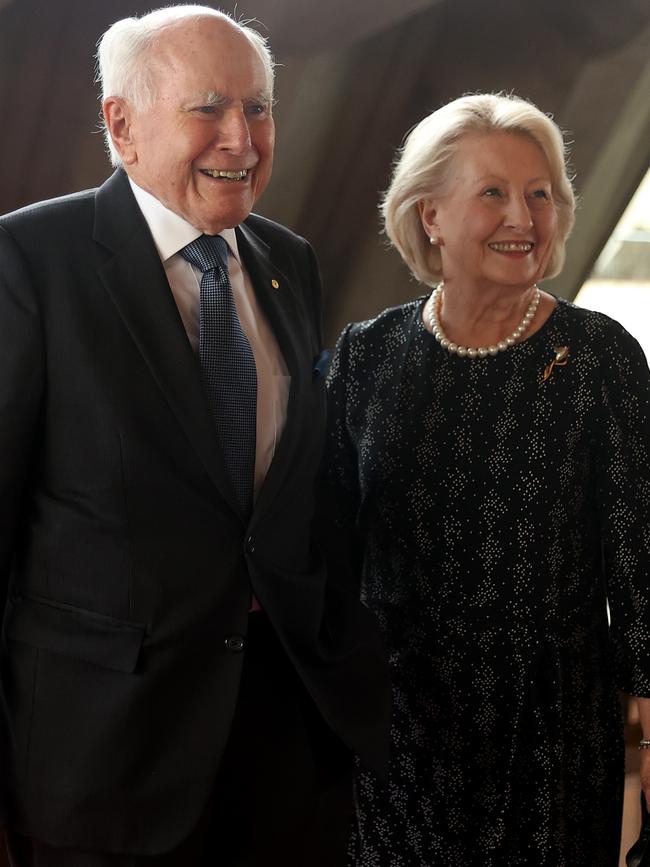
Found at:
<point>213,221</point>
<point>213,205</point>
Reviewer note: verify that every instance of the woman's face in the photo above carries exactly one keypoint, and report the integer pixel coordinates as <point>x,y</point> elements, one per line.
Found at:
<point>496,219</point>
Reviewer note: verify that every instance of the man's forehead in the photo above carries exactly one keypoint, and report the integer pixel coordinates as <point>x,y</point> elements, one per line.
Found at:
<point>180,39</point>
<point>225,58</point>
<point>197,25</point>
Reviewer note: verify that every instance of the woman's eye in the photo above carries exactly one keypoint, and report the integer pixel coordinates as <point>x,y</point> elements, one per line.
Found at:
<point>205,109</point>
<point>541,194</point>
<point>492,191</point>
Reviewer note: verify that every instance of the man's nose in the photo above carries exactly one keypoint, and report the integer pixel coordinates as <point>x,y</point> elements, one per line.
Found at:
<point>518,214</point>
<point>234,133</point>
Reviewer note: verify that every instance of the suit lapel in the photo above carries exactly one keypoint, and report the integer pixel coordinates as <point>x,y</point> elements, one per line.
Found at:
<point>136,281</point>
<point>277,298</point>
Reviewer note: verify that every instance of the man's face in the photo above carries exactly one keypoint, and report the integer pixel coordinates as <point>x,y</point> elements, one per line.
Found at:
<point>211,116</point>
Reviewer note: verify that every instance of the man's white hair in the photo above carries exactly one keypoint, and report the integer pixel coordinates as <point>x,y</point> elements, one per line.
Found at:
<point>122,67</point>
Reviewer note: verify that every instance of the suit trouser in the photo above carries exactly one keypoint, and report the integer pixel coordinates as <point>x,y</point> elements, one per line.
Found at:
<point>283,794</point>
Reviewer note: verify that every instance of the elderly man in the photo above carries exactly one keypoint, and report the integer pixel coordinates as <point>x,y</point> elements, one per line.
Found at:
<point>181,685</point>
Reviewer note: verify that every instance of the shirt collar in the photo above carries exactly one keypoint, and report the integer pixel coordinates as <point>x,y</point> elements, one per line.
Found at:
<point>169,231</point>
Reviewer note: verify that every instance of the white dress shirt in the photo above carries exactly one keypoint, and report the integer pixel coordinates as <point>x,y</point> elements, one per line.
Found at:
<point>170,234</point>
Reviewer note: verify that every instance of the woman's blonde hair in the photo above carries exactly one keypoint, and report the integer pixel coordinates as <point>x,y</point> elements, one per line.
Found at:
<point>422,164</point>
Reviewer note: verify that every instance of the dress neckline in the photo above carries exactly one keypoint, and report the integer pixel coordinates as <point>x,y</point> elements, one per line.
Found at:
<point>527,342</point>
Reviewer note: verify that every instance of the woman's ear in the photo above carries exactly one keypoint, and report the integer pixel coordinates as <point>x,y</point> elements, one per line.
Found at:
<point>428,216</point>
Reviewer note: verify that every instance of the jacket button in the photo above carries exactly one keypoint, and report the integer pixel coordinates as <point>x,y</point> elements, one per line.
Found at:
<point>250,545</point>
<point>235,643</point>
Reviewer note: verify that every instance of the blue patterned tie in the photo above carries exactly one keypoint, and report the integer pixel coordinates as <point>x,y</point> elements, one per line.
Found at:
<point>227,364</point>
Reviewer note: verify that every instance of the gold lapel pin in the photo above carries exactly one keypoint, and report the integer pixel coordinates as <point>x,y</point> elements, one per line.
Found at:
<point>560,360</point>
<point>275,284</point>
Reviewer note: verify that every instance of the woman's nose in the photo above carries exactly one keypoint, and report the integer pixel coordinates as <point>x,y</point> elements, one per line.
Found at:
<point>517,214</point>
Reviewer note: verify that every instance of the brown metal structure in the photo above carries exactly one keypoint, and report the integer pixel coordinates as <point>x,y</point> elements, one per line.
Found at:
<point>353,77</point>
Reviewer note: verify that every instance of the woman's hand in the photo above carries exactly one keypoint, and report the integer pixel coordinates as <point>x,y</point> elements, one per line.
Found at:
<point>645,775</point>
<point>644,716</point>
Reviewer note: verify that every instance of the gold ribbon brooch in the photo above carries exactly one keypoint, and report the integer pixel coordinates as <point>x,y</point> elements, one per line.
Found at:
<point>561,359</point>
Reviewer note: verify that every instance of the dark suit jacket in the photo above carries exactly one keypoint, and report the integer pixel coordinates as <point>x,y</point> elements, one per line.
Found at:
<point>126,564</point>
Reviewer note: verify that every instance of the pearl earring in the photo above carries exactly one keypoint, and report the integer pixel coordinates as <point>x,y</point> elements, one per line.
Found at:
<point>434,240</point>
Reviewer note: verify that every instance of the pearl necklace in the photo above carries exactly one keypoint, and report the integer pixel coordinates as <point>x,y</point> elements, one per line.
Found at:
<point>480,351</point>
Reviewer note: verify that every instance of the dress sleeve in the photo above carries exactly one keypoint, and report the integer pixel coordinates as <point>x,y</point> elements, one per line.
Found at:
<point>623,473</point>
<point>339,482</point>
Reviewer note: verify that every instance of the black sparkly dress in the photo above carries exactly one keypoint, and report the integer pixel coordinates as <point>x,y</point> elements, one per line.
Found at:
<point>492,517</point>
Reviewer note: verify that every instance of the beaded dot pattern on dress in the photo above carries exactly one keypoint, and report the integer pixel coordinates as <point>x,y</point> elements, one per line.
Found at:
<point>497,515</point>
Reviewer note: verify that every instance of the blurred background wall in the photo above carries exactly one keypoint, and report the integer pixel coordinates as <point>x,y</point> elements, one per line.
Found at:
<point>353,77</point>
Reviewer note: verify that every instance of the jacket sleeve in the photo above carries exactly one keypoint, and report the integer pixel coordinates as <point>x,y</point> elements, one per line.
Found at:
<point>21,389</point>
<point>623,491</point>
<point>339,486</point>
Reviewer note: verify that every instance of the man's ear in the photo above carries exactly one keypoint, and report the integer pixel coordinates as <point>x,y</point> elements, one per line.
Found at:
<point>118,117</point>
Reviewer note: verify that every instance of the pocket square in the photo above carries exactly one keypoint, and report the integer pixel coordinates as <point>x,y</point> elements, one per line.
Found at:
<point>321,364</point>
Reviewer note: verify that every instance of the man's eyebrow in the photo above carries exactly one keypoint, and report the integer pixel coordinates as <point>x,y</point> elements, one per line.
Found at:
<point>261,96</point>
<point>214,98</point>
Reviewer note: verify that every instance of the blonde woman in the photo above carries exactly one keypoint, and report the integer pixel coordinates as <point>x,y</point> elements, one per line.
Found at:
<point>489,464</point>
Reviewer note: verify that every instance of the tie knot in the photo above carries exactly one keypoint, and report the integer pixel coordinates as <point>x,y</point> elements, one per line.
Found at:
<point>207,252</point>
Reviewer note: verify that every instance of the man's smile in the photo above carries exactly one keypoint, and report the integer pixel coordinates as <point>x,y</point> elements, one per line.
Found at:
<point>228,175</point>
